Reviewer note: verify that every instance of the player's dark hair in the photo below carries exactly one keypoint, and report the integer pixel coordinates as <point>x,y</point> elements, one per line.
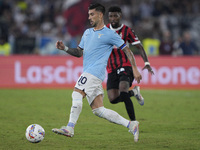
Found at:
<point>115,9</point>
<point>97,7</point>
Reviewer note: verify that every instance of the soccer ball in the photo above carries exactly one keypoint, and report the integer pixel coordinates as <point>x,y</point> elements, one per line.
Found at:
<point>35,133</point>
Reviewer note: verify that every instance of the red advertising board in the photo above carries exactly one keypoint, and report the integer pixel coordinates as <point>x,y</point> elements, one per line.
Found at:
<point>63,72</point>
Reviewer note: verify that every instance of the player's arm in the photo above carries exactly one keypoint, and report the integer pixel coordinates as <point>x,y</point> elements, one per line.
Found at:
<point>142,52</point>
<point>77,52</point>
<point>131,58</point>
<point>144,57</point>
<point>132,38</point>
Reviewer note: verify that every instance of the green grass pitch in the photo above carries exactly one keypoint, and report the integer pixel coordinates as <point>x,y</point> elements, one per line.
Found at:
<point>169,119</point>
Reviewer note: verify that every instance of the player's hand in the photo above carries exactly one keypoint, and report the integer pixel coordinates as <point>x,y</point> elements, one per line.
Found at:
<point>148,67</point>
<point>60,45</point>
<point>137,75</point>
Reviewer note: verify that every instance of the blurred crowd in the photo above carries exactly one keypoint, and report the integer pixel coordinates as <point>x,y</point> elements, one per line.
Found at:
<point>165,27</point>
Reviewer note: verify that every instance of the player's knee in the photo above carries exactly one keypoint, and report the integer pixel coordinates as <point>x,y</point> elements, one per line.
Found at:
<point>123,86</point>
<point>76,95</point>
<point>116,100</point>
<point>99,111</point>
<point>113,101</point>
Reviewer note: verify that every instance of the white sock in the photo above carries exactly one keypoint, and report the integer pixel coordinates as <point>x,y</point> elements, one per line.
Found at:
<point>75,109</point>
<point>111,116</point>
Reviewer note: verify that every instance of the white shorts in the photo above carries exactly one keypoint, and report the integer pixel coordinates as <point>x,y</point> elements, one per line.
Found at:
<point>91,85</point>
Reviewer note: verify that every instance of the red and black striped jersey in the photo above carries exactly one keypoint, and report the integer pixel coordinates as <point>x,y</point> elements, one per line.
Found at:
<point>117,57</point>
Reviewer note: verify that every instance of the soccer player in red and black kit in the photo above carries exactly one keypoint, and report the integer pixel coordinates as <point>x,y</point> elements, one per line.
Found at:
<point>120,74</point>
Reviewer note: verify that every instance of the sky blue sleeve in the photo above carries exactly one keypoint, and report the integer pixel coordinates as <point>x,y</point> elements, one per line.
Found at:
<point>117,40</point>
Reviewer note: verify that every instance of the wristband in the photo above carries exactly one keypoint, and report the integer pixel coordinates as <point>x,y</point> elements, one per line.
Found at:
<point>147,63</point>
<point>66,48</point>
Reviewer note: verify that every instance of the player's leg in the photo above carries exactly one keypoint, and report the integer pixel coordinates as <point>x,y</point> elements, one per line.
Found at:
<point>108,114</point>
<point>136,93</point>
<point>112,116</point>
<point>113,88</point>
<point>76,109</point>
<point>118,84</point>
<point>124,95</point>
<point>113,96</point>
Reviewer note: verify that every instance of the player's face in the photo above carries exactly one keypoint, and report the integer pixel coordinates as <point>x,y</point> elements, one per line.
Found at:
<point>94,17</point>
<point>114,19</point>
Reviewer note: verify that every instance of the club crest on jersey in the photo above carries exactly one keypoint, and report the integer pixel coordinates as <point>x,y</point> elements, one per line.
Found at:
<point>99,35</point>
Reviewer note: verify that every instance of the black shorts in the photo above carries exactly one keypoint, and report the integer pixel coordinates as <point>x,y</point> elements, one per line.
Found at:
<point>120,74</point>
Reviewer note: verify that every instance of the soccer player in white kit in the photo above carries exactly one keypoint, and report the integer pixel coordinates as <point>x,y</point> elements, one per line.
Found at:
<point>95,46</point>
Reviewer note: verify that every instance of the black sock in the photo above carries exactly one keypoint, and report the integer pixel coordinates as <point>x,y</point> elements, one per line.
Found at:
<point>129,105</point>
<point>117,100</point>
<point>131,93</point>
<point>125,97</point>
